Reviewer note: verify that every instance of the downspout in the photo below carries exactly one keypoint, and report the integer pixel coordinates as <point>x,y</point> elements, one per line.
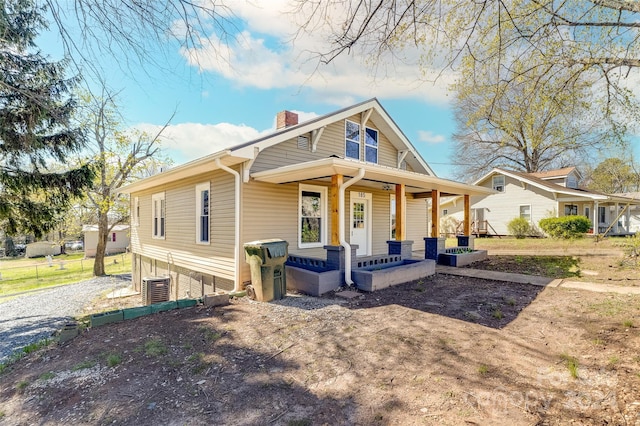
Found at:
<point>341,230</point>
<point>236,175</point>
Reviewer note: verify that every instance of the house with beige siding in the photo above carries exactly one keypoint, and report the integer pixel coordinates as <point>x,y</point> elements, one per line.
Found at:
<point>346,182</point>
<point>536,196</point>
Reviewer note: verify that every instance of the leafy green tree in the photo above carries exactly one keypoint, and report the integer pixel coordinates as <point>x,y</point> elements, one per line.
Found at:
<point>528,124</point>
<point>35,127</point>
<point>119,156</point>
<point>614,175</point>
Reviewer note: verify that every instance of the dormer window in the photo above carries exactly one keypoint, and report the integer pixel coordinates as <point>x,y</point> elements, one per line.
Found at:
<point>498,183</point>
<point>572,182</point>
<point>371,145</point>
<point>352,140</point>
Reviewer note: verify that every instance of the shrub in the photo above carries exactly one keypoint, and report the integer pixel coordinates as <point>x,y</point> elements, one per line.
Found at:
<point>519,227</point>
<point>566,226</point>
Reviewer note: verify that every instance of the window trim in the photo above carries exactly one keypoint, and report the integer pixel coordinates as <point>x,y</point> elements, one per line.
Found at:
<point>159,232</point>
<point>572,207</point>
<point>135,220</point>
<point>520,211</point>
<point>351,140</point>
<point>493,183</point>
<point>324,218</point>
<point>367,146</point>
<point>200,188</point>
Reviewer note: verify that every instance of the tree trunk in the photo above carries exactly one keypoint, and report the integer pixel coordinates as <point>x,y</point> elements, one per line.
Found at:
<point>103,233</point>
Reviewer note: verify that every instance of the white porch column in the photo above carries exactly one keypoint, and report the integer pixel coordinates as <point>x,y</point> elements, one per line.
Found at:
<point>596,215</point>
<point>627,219</point>
<point>615,217</point>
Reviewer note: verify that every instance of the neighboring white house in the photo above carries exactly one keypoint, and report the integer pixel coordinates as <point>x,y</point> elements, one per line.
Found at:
<point>117,242</point>
<point>535,196</point>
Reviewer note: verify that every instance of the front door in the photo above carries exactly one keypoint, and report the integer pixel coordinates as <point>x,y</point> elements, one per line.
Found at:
<point>361,222</point>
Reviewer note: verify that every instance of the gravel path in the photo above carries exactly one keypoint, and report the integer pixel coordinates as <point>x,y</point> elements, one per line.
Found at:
<point>36,316</point>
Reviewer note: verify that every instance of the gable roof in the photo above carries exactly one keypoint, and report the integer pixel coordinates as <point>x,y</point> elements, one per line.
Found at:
<point>554,174</point>
<point>379,117</point>
<point>249,150</point>
<point>533,180</point>
<point>94,228</point>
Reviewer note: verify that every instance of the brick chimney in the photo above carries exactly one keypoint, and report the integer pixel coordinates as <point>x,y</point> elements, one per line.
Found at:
<point>286,119</point>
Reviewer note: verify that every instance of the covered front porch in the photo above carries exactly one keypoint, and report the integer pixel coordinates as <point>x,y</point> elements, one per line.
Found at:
<point>343,262</point>
<point>609,215</point>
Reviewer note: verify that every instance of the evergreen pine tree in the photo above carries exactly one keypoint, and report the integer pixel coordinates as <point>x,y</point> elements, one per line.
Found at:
<point>35,127</point>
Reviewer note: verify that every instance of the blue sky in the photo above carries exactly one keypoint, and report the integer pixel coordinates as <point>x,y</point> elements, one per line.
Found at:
<point>225,94</point>
<point>222,102</point>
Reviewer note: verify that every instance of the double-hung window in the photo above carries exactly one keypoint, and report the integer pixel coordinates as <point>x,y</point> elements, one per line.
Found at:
<point>602,214</point>
<point>202,213</point>
<point>313,214</point>
<point>371,146</point>
<point>352,140</point>
<point>570,210</point>
<point>525,212</point>
<point>498,183</point>
<point>159,211</point>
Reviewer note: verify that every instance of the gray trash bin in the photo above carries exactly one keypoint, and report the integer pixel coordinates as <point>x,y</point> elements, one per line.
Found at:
<point>266,259</point>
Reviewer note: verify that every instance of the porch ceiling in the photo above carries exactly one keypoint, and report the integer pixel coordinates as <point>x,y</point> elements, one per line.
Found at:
<point>416,183</point>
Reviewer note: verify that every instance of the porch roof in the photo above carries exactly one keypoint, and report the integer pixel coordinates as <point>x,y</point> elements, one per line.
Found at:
<point>375,176</point>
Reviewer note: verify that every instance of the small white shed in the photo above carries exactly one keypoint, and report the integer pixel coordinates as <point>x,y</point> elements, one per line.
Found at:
<point>117,242</point>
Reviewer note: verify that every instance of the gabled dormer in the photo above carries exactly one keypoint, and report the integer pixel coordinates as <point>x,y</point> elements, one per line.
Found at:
<point>569,177</point>
<point>363,133</point>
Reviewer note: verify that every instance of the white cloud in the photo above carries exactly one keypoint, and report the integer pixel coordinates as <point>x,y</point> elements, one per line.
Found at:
<point>262,56</point>
<point>187,141</point>
<point>430,137</point>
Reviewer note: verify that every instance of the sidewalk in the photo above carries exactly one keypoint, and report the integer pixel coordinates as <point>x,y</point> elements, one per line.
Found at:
<point>535,280</point>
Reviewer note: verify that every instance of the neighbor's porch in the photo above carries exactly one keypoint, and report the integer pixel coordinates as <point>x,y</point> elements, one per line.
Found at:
<point>612,216</point>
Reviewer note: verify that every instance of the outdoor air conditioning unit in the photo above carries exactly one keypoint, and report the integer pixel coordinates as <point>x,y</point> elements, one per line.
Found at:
<point>155,289</point>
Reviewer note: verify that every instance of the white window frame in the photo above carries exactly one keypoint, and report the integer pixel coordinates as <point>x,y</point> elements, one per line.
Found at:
<point>324,218</point>
<point>587,212</point>
<point>520,211</point>
<point>392,215</point>
<point>602,215</point>
<point>359,142</point>
<point>373,147</point>
<point>497,187</point>
<point>135,220</point>
<point>158,216</point>
<point>200,188</point>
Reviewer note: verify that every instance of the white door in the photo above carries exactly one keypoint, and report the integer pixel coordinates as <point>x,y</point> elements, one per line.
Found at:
<point>361,222</point>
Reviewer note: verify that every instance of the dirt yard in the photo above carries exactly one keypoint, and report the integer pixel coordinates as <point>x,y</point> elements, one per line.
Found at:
<point>445,350</point>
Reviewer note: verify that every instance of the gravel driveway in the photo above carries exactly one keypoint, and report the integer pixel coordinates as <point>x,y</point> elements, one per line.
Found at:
<point>36,316</point>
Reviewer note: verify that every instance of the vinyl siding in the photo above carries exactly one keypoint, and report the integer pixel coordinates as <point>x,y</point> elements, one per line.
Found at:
<point>500,209</point>
<point>332,142</point>
<point>417,216</point>
<point>179,248</point>
<point>271,211</point>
